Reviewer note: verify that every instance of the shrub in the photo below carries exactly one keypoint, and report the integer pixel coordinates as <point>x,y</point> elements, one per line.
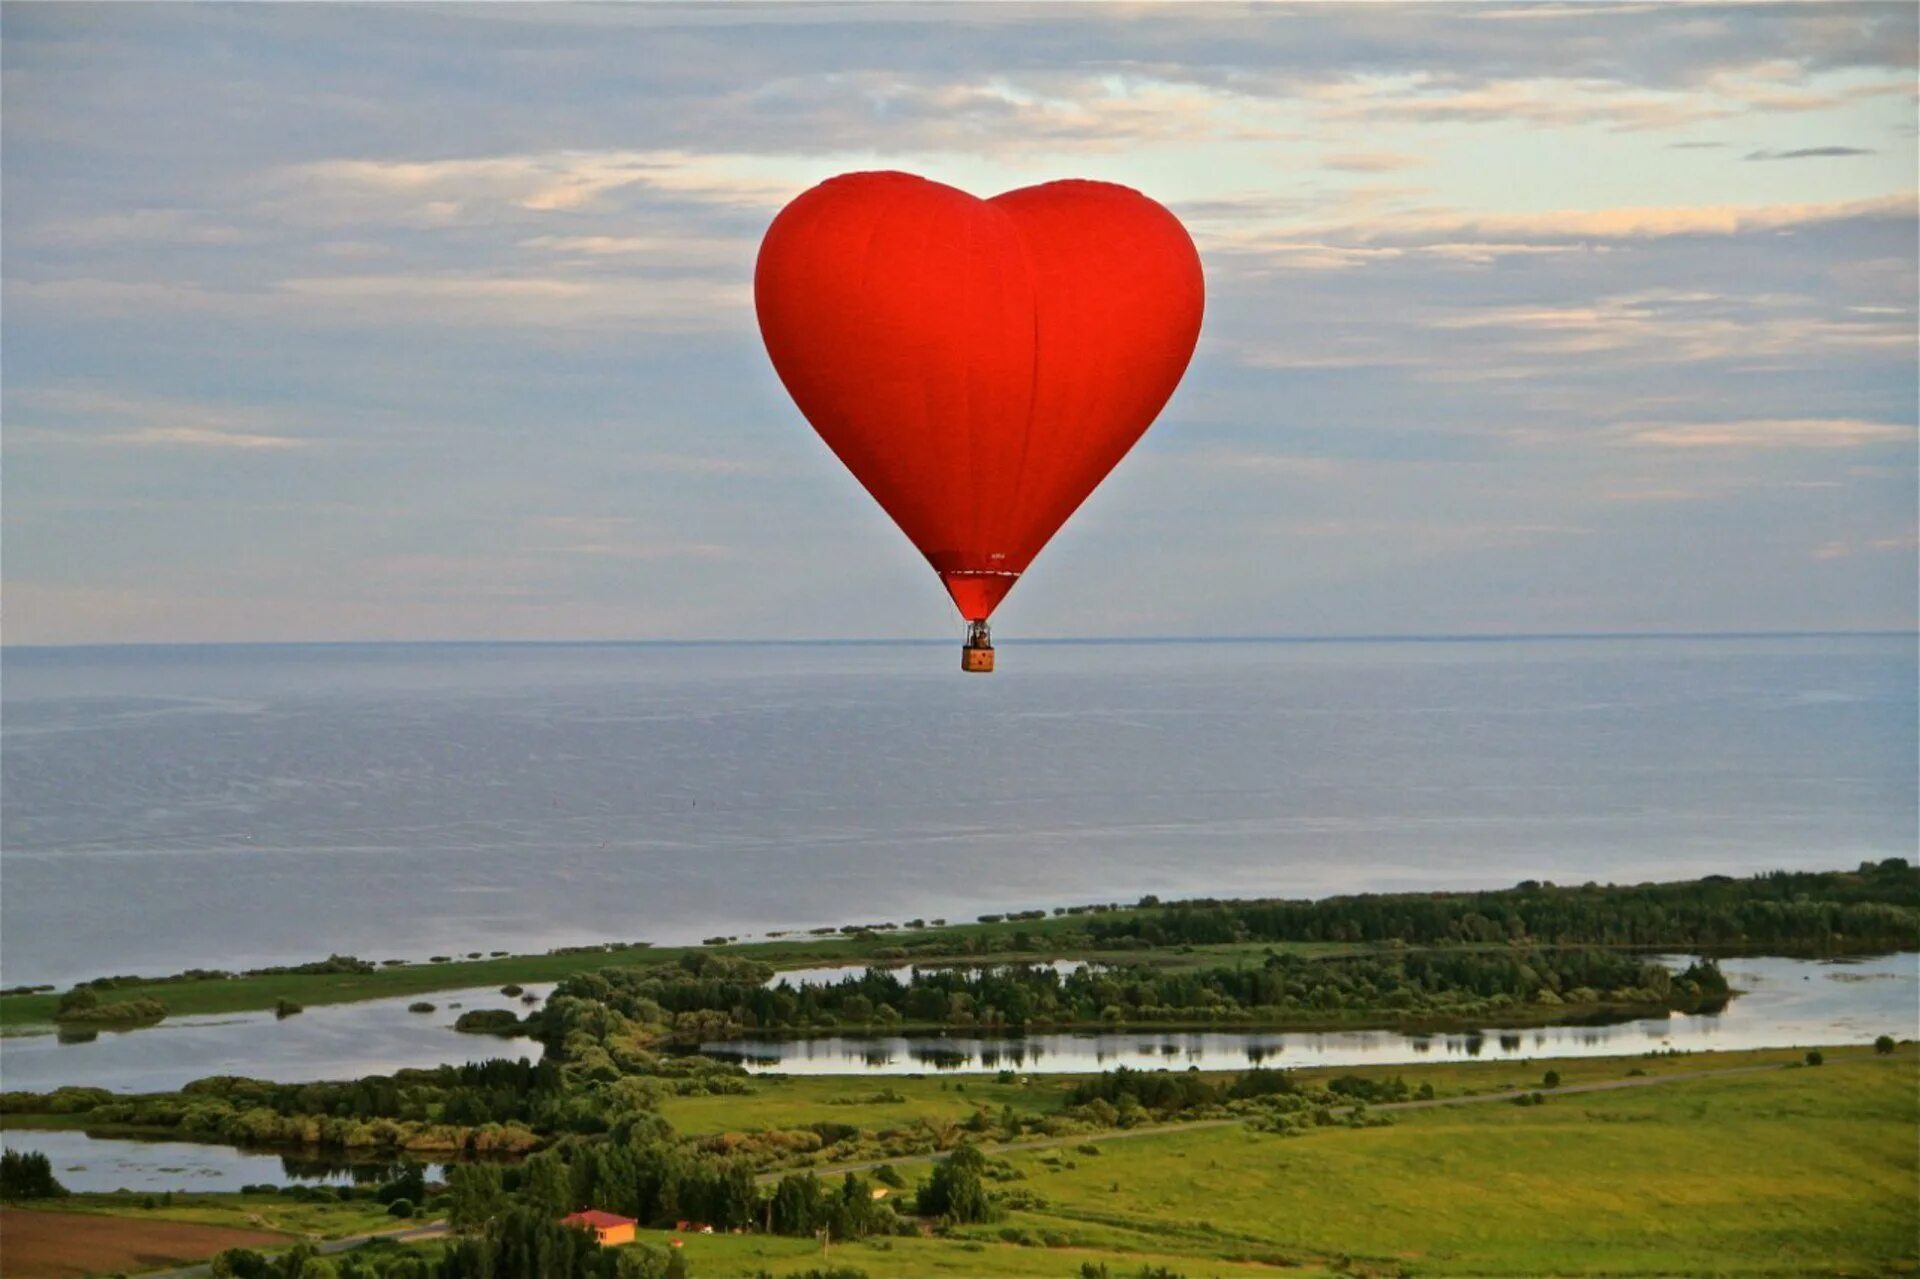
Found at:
<point>420,1006</point>
<point>401,1208</point>
<point>1551,1079</point>
<point>286,1008</point>
<point>1815,1058</point>
<point>1883,1045</point>
<point>488,1021</point>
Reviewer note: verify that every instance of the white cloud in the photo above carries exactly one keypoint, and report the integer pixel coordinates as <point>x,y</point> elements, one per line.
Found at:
<point>200,437</point>
<point>1766,433</point>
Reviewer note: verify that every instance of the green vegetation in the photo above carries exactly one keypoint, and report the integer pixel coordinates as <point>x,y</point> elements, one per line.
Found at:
<point>83,1006</point>
<point>28,1175</point>
<point>1819,913</point>
<point>1781,1172</point>
<point>1754,1169</point>
<point>957,1191</point>
<point>1419,987</point>
<point>487,1021</point>
<point>1356,1172</point>
<point>1876,907</point>
<point>311,1214</point>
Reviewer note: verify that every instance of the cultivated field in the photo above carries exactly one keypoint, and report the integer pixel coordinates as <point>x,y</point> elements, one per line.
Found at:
<point>57,1245</point>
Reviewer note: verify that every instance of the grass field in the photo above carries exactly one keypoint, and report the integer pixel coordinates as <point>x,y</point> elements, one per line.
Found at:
<point>789,1101</point>
<point>245,1212</point>
<point>1783,1170</point>
<point>1787,1171</point>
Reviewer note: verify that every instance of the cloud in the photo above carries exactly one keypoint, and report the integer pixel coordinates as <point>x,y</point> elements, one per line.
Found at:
<point>147,421</point>
<point>1631,223</point>
<point>1808,153</point>
<point>1371,161</point>
<point>200,437</point>
<point>1767,433</point>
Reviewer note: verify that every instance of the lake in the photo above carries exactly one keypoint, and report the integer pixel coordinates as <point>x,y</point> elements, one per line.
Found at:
<point>251,805</point>
<point>327,1041</point>
<point>1787,1002</point>
<point>102,1165</point>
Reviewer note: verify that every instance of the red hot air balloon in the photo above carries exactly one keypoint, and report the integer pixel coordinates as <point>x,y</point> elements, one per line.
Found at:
<point>979,365</point>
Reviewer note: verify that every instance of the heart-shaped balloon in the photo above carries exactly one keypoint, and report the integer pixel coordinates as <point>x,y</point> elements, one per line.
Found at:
<point>979,365</point>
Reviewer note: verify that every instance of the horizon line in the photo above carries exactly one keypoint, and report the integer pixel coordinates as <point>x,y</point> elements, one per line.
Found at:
<point>1361,637</point>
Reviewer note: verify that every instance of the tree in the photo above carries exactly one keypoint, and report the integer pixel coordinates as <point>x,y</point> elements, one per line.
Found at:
<point>546,1186</point>
<point>80,999</point>
<point>1883,1045</point>
<point>474,1195</point>
<point>956,1189</point>
<point>240,1263</point>
<point>1551,1079</point>
<point>1815,1057</point>
<point>27,1174</point>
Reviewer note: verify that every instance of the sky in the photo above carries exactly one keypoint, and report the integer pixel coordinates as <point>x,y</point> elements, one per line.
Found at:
<point>366,322</point>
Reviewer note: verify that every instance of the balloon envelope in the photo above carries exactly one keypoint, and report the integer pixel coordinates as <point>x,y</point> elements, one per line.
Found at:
<point>979,365</point>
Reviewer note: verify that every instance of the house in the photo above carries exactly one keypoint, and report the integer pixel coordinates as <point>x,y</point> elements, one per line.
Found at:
<point>610,1228</point>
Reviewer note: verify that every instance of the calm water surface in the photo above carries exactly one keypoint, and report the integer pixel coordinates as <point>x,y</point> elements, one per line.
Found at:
<point>239,806</point>
<point>327,1041</point>
<point>89,1165</point>
<point>1788,1002</point>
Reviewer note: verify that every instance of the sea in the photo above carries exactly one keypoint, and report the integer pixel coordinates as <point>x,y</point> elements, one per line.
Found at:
<point>241,806</point>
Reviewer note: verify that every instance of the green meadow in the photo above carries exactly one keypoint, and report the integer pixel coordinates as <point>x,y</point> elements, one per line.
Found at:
<point>1710,1164</point>
<point>1791,1170</point>
<point>879,1101</point>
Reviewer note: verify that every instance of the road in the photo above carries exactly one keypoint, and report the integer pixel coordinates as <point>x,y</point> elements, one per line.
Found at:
<point>405,1234</point>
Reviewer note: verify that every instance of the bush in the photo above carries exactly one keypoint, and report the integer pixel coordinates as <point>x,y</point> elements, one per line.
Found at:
<point>420,1006</point>
<point>82,1005</point>
<point>1551,1079</point>
<point>488,1021</point>
<point>1815,1058</point>
<point>286,1008</point>
<point>401,1208</point>
<point>1883,1045</point>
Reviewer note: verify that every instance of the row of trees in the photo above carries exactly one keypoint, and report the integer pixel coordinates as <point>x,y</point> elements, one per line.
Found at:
<point>1876,906</point>
<point>1283,987</point>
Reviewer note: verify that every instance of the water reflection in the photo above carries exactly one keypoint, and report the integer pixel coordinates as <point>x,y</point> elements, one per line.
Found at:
<point>1787,1002</point>
<point>327,1041</point>
<point>833,974</point>
<point>100,1165</point>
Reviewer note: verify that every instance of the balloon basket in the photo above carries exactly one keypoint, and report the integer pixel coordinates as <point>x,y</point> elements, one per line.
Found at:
<point>976,656</point>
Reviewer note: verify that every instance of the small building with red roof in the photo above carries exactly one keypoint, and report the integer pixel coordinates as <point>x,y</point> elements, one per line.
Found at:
<point>610,1228</point>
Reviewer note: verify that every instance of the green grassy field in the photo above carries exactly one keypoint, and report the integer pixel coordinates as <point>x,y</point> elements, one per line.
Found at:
<point>254,1212</point>
<point>1789,1171</point>
<point>1784,1170</point>
<point>789,1101</point>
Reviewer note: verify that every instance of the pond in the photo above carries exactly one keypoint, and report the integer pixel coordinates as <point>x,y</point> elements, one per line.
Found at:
<point>1787,1002</point>
<point>327,1041</point>
<point>100,1165</point>
<point>835,973</point>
